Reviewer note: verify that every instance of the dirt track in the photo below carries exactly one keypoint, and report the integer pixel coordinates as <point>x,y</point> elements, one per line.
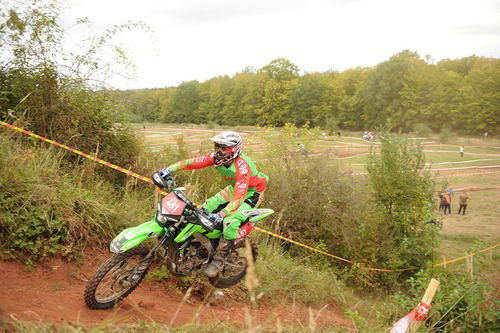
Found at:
<point>53,293</point>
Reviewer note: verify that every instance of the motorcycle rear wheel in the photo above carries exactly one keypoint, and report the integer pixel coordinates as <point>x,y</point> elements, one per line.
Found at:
<point>112,281</point>
<point>225,279</point>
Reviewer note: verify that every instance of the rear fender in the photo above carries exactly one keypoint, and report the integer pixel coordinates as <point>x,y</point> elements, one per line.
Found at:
<point>255,215</point>
<point>131,237</point>
<point>251,217</point>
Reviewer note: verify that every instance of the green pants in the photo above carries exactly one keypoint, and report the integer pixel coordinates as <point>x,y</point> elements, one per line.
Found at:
<point>232,222</point>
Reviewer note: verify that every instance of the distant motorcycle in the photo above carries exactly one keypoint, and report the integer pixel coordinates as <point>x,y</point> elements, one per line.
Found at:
<point>187,235</point>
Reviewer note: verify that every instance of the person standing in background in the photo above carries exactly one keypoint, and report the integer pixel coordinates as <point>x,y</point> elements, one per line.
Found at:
<point>447,202</point>
<point>462,200</point>
<point>461,150</point>
<point>441,201</point>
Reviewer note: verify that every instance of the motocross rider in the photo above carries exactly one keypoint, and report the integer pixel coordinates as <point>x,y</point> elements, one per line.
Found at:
<point>246,190</point>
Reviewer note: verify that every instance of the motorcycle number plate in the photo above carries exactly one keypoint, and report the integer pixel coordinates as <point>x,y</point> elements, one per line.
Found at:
<point>171,205</point>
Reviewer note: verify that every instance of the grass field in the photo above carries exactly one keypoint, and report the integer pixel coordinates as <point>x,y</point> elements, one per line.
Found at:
<point>479,227</point>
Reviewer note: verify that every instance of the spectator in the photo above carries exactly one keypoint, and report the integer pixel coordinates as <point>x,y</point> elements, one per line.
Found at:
<point>447,203</point>
<point>441,201</point>
<point>485,135</point>
<point>463,202</point>
<point>461,150</point>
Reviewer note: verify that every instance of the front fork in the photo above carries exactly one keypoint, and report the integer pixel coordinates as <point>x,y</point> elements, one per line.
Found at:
<point>144,264</point>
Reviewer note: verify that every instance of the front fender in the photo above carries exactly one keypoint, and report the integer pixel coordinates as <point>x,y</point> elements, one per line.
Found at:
<point>131,237</point>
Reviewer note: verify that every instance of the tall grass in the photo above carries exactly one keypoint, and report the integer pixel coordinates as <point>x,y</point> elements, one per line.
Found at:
<point>49,206</point>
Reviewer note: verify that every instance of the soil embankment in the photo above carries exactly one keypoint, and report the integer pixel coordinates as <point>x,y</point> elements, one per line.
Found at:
<point>53,293</point>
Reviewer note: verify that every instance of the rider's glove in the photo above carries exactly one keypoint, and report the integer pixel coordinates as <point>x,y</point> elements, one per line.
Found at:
<point>216,218</point>
<point>160,178</point>
<point>165,173</point>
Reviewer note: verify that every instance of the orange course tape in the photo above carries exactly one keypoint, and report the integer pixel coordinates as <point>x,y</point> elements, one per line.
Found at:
<point>149,180</point>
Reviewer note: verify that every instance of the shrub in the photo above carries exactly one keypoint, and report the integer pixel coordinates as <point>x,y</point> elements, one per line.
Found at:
<point>403,193</point>
<point>461,302</point>
<point>46,208</point>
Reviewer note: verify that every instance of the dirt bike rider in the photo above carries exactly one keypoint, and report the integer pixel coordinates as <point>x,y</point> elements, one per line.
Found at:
<point>246,189</point>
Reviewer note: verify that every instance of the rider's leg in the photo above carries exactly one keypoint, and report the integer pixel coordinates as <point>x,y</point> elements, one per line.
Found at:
<point>230,233</point>
<point>226,242</point>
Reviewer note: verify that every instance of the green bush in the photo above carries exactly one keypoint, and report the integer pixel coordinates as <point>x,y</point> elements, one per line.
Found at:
<point>47,207</point>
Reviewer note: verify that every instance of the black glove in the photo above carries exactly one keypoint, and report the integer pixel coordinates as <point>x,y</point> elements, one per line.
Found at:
<point>160,178</point>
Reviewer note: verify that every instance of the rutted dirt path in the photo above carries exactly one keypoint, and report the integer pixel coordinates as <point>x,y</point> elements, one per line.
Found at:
<point>53,293</point>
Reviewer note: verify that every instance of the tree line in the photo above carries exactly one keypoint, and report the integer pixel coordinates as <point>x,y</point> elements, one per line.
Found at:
<point>406,90</point>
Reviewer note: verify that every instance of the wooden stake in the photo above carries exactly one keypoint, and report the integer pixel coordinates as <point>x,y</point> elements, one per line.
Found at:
<point>471,267</point>
<point>427,299</point>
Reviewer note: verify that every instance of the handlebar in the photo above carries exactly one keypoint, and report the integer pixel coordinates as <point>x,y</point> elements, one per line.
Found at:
<point>170,185</point>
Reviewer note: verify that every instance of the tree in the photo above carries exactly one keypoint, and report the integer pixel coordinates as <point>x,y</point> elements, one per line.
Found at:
<point>403,191</point>
<point>307,100</point>
<point>345,99</point>
<point>380,93</point>
<point>281,69</point>
<point>276,105</point>
<point>214,93</point>
<point>185,103</point>
<point>480,110</point>
<point>460,66</point>
<point>50,91</point>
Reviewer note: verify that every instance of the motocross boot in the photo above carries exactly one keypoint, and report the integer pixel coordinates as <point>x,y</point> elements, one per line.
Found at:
<point>220,255</point>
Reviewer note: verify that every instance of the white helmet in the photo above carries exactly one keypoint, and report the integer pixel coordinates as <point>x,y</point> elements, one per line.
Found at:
<point>232,143</point>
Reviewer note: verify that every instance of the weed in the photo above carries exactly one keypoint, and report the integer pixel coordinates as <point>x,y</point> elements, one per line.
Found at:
<point>159,274</point>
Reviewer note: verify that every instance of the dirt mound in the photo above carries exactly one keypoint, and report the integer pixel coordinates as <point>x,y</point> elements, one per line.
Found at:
<point>53,293</point>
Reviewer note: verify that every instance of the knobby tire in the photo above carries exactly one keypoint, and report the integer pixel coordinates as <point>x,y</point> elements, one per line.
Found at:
<point>221,282</point>
<point>90,291</point>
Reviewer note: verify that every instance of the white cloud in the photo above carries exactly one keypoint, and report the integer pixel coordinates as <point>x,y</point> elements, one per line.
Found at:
<point>199,39</point>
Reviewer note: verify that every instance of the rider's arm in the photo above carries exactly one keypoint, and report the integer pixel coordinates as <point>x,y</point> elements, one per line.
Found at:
<point>198,162</point>
<point>243,172</point>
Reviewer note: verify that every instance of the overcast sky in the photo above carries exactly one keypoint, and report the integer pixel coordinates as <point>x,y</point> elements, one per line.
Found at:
<point>201,39</point>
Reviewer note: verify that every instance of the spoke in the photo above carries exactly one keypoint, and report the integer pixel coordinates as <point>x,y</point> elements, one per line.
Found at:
<point>114,283</point>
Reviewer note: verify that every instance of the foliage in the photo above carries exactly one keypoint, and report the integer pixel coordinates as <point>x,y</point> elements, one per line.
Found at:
<point>461,302</point>
<point>422,129</point>
<point>159,274</point>
<point>46,208</point>
<point>52,92</point>
<point>403,194</point>
<point>359,321</point>
<point>303,280</point>
<point>405,90</point>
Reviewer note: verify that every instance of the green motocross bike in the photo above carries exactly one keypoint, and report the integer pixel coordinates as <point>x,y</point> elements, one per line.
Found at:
<point>188,239</point>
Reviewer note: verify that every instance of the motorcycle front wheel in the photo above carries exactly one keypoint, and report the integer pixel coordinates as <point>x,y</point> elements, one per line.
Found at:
<point>117,278</point>
<point>235,267</point>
